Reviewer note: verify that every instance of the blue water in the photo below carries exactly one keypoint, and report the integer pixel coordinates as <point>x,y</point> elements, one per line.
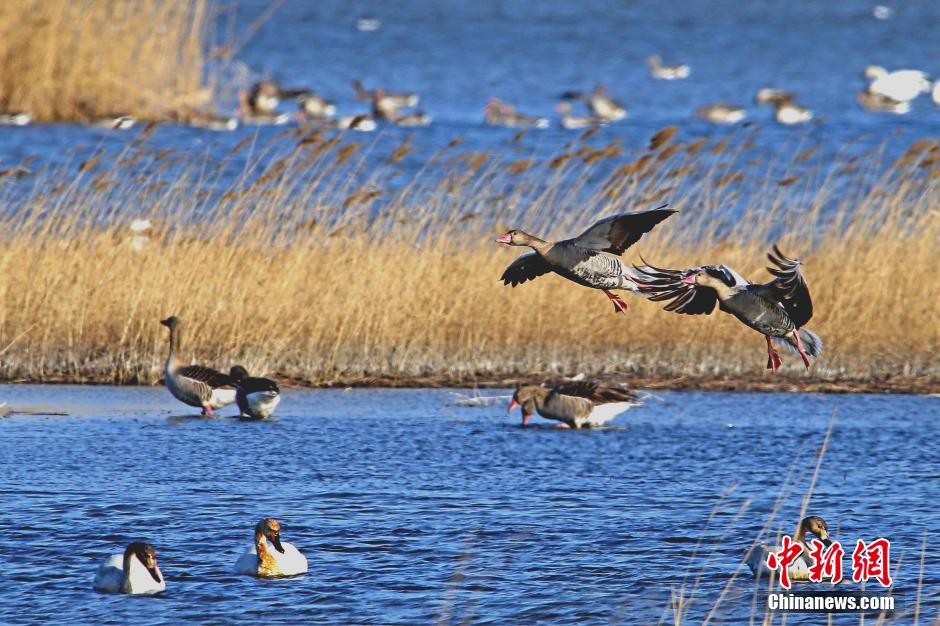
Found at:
<point>458,54</point>
<point>412,510</point>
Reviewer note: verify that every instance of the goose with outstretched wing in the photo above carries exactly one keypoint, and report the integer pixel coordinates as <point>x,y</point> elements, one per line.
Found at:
<point>578,404</point>
<point>590,259</point>
<point>777,309</point>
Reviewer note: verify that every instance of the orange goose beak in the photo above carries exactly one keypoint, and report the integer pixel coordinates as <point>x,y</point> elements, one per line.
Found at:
<point>504,238</point>
<point>689,280</point>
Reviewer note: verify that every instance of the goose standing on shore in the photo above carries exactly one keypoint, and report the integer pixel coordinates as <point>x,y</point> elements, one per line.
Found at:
<point>256,397</point>
<point>666,72</point>
<point>777,309</point>
<point>136,571</point>
<point>576,405</point>
<point>195,385</point>
<point>799,569</point>
<point>602,106</point>
<point>582,258</point>
<point>268,556</point>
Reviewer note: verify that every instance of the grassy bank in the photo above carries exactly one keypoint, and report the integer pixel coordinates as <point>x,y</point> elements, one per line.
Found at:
<point>76,61</point>
<point>313,266</point>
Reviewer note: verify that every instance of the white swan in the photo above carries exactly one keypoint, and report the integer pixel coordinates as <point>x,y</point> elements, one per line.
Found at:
<point>799,569</point>
<point>899,85</point>
<point>269,557</point>
<point>135,571</point>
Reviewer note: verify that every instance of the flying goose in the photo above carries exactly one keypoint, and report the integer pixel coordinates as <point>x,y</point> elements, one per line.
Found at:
<point>195,385</point>
<point>256,397</point>
<point>799,569</point>
<point>899,85</point>
<point>575,405</point>
<point>721,113</point>
<point>396,100</point>
<point>574,122</point>
<point>667,72</point>
<point>777,309</point>
<point>582,259</point>
<point>499,113</point>
<point>602,106</point>
<point>268,556</point>
<point>135,571</point>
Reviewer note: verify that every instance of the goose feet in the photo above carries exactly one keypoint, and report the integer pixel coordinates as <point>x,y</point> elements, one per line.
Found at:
<point>773,357</point>
<point>619,305</point>
<point>799,346</point>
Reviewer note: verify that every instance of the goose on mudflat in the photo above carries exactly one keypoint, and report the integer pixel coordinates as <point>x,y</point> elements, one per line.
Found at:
<point>583,259</point>
<point>268,556</point>
<point>581,404</point>
<point>799,569</point>
<point>195,385</point>
<point>777,309</point>
<point>136,571</point>
<point>256,397</point>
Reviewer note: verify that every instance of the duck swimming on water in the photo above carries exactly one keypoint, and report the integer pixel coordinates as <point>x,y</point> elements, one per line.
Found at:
<point>195,385</point>
<point>583,259</point>
<point>777,309</point>
<point>581,404</point>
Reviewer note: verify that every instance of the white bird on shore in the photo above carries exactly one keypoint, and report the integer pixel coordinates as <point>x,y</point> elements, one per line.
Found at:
<point>135,572</point>
<point>268,556</point>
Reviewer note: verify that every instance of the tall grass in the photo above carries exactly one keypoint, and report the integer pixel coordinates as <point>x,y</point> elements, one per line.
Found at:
<point>66,60</point>
<point>316,264</point>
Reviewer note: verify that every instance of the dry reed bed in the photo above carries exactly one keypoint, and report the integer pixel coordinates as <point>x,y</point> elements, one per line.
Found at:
<point>318,265</point>
<point>66,60</point>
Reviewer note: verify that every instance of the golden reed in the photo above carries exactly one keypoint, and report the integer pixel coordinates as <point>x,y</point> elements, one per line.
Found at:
<point>310,264</point>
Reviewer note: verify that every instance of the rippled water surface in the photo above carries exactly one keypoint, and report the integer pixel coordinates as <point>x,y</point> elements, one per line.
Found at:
<point>412,510</point>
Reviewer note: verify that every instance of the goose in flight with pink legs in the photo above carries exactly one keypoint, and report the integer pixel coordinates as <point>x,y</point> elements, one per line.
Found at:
<point>582,259</point>
<point>777,309</point>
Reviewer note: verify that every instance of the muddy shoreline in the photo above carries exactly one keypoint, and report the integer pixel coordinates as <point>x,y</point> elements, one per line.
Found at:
<point>918,386</point>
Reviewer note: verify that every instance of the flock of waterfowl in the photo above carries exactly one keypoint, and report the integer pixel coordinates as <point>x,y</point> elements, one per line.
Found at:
<point>777,309</point>
<point>885,92</point>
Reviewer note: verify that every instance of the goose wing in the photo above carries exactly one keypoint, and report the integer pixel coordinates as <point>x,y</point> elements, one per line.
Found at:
<point>789,288</point>
<point>527,267</point>
<point>659,284</point>
<point>254,385</point>
<point>617,233</point>
<point>206,376</point>
<point>595,392</point>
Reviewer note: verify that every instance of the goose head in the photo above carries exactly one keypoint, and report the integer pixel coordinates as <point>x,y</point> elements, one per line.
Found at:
<point>873,72</point>
<point>171,322</point>
<point>146,555</point>
<point>270,529</point>
<point>814,525</point>
<point>525,398</point>
<point>515,238</point>
<point>237,372</point>
<point>713,276</point>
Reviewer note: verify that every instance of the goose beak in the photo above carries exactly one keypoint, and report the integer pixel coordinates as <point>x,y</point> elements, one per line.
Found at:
<point>824,537</point>
<point>504,238</point>
<point>512,405</point>
<point>276,540</point>
<point>689,280</point>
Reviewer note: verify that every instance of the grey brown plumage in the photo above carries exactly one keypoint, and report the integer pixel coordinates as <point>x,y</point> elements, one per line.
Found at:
<point>194,385</point>
<point>585,259</point>
<point>777,309</point>
<point>575,404</point>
